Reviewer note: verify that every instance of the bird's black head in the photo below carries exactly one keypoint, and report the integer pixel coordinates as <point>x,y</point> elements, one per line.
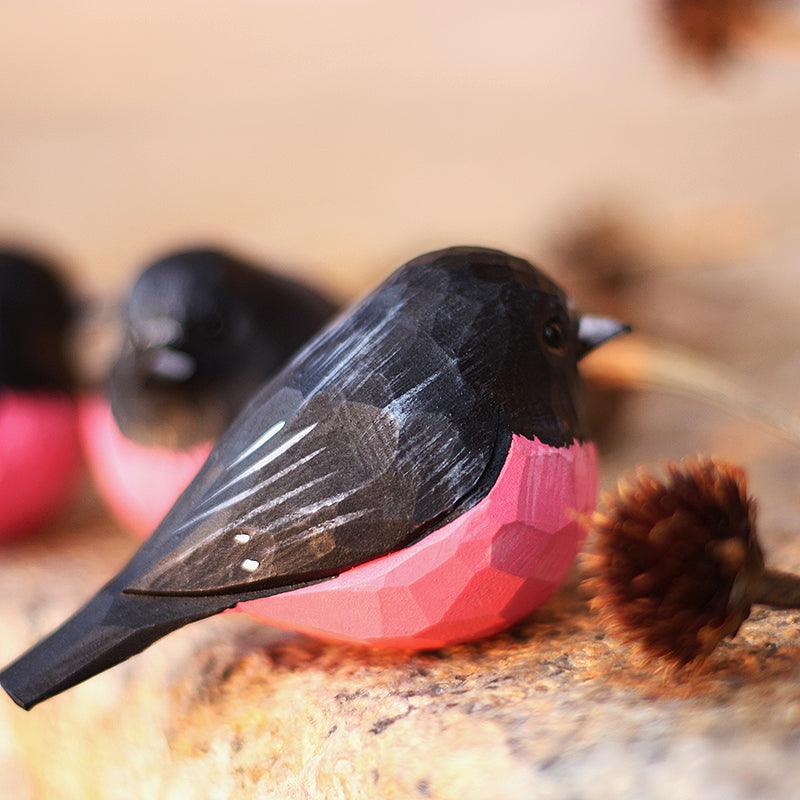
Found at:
<point>35,316</point>
<point>514,333</point>
<point>203,329</point>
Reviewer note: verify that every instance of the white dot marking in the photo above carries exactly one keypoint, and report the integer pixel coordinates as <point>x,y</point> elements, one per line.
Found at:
<point>248,565</point>
<point>242,538</point>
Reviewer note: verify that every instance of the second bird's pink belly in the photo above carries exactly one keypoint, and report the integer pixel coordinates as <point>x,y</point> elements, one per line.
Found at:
<point>39,458</point>
<point>139,484</point>
<point>475,576</point>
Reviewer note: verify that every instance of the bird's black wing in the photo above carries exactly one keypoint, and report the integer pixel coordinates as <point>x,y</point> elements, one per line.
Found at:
<point>354,451</point>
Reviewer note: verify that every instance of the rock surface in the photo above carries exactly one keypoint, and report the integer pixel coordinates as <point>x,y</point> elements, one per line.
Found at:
<point>554,708</point>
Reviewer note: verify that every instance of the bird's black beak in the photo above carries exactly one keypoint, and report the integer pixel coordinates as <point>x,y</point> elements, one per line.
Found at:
<point>594,331</point>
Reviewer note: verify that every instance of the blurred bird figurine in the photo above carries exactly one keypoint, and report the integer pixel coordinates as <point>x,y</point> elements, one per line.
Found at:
<point>203,331</point>
<point>39,444</point>
<point>409,479</point>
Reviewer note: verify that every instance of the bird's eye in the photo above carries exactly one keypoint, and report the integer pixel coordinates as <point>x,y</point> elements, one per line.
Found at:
<point>553,335</point>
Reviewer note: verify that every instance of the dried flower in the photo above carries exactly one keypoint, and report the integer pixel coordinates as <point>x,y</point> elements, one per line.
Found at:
<point>677,564</point>
<point>708,30</point>
<point>601,252</point>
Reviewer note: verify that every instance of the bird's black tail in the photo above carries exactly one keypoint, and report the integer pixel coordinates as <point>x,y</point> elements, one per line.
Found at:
<point>111,627</point>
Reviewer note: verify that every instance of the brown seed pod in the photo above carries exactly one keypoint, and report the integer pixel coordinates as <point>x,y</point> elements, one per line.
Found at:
<point>676,563</point>
<point>708,31</point>
<point>602,256</point>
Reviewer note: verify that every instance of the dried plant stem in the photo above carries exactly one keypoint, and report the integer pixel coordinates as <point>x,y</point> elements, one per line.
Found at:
<point>777,589</point>
<point>640,363</point>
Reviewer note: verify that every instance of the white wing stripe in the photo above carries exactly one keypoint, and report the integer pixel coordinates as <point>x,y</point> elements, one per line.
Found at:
<point>336,522</point>
<point>278,451</point>
<point>260,442</point>
<point>271,456</point>
<point>247,492</point>
<point>273,502</point>
<point>293,517</point>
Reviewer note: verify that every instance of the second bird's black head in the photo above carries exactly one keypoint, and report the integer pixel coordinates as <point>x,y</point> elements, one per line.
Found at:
<point>204,329</point>
<point>512,330</point>
<point>36,313</point>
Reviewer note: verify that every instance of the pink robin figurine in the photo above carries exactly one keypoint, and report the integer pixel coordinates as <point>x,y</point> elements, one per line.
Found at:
<point>409,479</point>
<point>39,445</point>
<point>203,330</point>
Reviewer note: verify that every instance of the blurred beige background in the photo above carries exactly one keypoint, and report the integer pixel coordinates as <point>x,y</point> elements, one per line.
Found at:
<point>342,137</point>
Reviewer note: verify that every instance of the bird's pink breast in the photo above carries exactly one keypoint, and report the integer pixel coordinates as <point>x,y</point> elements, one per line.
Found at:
<point>39,458</point>
<point>475,576</point>
<point>139,484</point>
